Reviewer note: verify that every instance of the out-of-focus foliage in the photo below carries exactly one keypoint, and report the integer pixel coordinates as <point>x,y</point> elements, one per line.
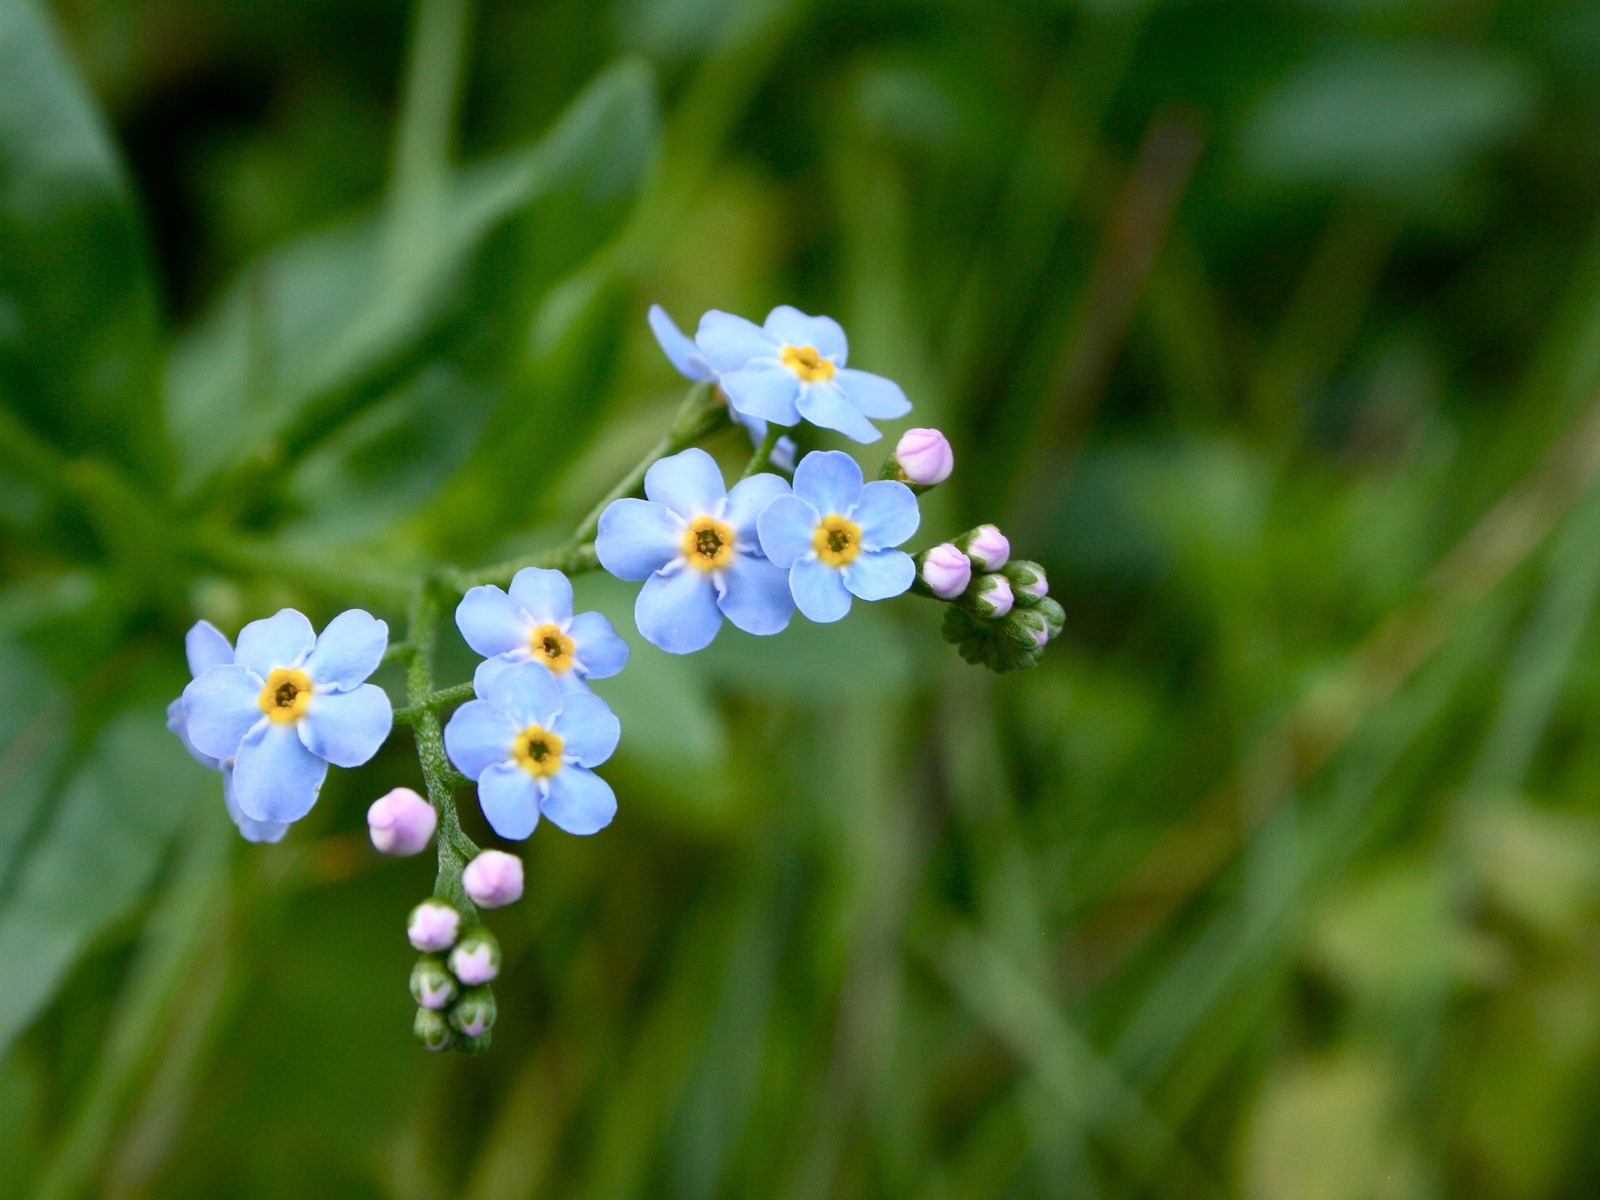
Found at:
<point>1270,328</point>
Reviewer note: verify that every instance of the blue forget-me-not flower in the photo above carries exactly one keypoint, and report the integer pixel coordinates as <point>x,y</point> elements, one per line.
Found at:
<point>534,621</point>
<point>694,543</point>
<point>288,704</point>
<point>531,747</point>
<point>835,535</point>
<point>792,367</point>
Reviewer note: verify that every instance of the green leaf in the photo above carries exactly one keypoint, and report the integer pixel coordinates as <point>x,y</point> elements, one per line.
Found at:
<point>30,750</point>
<point>78,322</point>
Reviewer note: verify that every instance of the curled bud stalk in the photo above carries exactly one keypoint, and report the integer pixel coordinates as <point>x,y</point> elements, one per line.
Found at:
<point>943,572</point>
<point>432,1030</point>
<point>493,879</point>
<point>474,1014</point>
<point>922,458</point>
<point>476,958</point>
<point>401,822</point>
<point>1028,582</point>
<point>432,985</point>
<point>986,546</point>
<point>989,597</point>
<point>433,926</point>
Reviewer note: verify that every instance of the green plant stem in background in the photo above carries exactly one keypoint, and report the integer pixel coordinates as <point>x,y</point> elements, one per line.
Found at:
<point>763,453</point>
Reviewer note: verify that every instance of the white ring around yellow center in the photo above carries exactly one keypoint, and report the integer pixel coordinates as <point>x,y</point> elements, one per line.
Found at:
<point>537,751</point>
<point>805,362</point>
<point>836,540</point>
<point>286,696</point>
<point>552,647</point>
<point>708,543</point>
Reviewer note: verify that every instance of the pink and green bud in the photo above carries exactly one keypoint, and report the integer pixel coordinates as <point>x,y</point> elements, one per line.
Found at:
<point>401,822</point>
<point>433,926</point>
<point>474,1014</point>
<point>1054,615</point>
<point>924,457</point>
<point>476,958</point>
<point>432,1030</point>
<point>432,986</point>
<point>1028,582</point>
<point>990,597</point>
<point>986,546</point>
<point>493,879</point>
<point>943,571</point>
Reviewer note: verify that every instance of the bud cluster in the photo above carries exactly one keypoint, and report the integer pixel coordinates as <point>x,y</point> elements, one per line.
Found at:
<point>1001,614</point>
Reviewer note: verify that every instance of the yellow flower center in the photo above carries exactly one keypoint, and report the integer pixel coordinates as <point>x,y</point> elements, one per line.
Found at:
<point>708,543</point>
<point>805,362</point>
<point>551,647</point>
<point>287,695</point>
<point>836,540</point>
<point>537,751</point>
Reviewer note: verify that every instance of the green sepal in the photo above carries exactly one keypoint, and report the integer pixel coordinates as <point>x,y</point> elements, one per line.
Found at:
<point>432,1030</point>
<point>1023,576</point>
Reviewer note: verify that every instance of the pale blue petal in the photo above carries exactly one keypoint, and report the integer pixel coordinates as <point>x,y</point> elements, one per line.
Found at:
<point>483,676</point>
<point>830,480</point>
<point>275,777</point>
<point>765,389</point>
<point>178,722</point>
<point>477,736</point>
<point>689,483</point>
<point>637,538</point>
<point>826,407</point>
<point>281,640</point>
<point>677,610</point>
<point>206,648</point>
<point>523,691</point>
<point>253,830</point>
<point>757,598</point>
<point>491,622</point>
<point>346,728</point>
<point>729,342</point>
<point>509,799</point>
<point>679,347</point>
<point>579,801</point>
<point>872,395</point>
<point>588,729</point>
<point>879,574</point>
<point>748,500</point>
<point>786,528</point>
<point>600,652</point>
<point>823,334</point>
<point>546,595</point>
<point>783,452</point>
<point>350,649</point>
<point>818,590</point>
<point>887,513</point>
<point>222,706</point>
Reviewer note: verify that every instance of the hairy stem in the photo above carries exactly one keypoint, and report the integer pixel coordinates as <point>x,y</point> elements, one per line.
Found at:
<point>762,458</point>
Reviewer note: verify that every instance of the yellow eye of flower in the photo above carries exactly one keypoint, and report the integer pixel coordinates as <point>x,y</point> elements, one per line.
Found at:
<point>551,647</point>
<point>836,540</point>
<point>805,362</point>
<point>537,751</point>
<point>287,695</point>
<point>708,543</point>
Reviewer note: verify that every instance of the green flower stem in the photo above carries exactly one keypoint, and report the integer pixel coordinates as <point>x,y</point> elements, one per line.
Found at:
<point>762,457</point>
<point>433,702</point>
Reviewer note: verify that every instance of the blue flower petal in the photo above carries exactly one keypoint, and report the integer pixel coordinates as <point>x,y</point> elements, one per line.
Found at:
<point>275,777</point>
<point>729,342</point>
<point>350,649</point>
<point>748,500</point>
<point>679,347</point>
<point>818,590</point>
<point>764,389</point>
<point>253,830</point>
<point>281,640</point>
<point>477,736</point>
<point>887,513</point>
<point>830,480</point>
<point>757,598</point>
<point>879,574</point>
<point>826,407</point>
<point>492,622</point>
<point>787,526</point>
<point>523,691</point>
<point>544,594</point>
<point>588,729</point>
<point>689,483</point>
<point>600,652</point>
<point>873,395</point>
<point>509,799</point>
<point>579,801</point>
<point>206,648</point>
<point>483,676</point>
<point>823,334</point>
<point>178,722</point>
<point>637,538</point>
<point>346,728</point>
<point>222,706</point>
<point>677,610</point>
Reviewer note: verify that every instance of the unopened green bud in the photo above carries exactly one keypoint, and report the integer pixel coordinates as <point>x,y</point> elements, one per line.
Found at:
<point>1054,615</point>
<point>988,597</point>
<point>432,985</point>
<point>432,1030</point>
<point>473,1014</point>
<point>475,1045</point>
<point>1028,583</point>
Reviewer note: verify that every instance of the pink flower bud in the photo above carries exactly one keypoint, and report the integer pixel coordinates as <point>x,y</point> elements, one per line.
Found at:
<point>401,822</point>
<point>994,598</point>
<point>989,548</point>
<point>925,456</point>
<point>1041,636</point>
<point>476,960</point>
<point>493,879</point>
<point>946,571</point>
<point>433,926</point>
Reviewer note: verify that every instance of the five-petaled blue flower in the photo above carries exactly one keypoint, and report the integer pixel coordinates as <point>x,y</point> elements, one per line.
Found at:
<point>288,704</point>
<point>792,367</point>
<point>695,545</point>
<point>679,347</point>
<point>206,648</point>
<point>531,747</point>
<point>834,535</point>
<point>535,621</point>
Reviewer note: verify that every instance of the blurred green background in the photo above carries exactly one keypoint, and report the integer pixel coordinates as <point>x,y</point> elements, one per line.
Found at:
<point>1271,327</point>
